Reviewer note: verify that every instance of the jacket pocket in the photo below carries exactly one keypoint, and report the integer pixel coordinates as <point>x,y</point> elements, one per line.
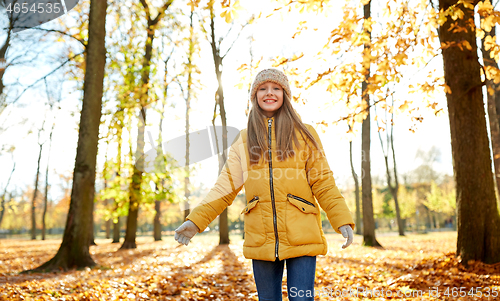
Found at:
<point>255,234</point>
<point>302,221</point>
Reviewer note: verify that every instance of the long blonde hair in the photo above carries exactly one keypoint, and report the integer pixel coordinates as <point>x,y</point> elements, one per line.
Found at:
<point>286,120</point>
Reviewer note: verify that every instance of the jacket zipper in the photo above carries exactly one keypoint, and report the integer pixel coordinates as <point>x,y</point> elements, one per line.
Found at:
<point>269,122</point>
<point>254,199</point>
<point>301,199</point>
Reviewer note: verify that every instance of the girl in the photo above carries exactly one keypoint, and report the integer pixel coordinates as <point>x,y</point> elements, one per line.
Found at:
<point>281,162</point>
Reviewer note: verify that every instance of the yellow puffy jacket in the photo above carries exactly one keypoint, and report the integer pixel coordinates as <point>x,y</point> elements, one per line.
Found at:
<point>282,216</point>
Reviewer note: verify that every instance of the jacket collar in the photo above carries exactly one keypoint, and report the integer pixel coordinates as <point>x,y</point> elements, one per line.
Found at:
<point>272,123</point>
<point>274,119</point>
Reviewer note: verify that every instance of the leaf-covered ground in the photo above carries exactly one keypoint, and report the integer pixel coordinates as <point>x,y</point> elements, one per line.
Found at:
<point>415,267</point>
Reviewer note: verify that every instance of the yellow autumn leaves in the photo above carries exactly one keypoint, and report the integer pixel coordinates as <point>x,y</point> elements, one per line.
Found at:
<point>489,18</point>
<point>396,43</point>
<point>230,11</point>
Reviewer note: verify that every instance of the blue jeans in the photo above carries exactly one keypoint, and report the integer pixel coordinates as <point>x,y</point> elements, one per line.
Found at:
<point>300,278</point>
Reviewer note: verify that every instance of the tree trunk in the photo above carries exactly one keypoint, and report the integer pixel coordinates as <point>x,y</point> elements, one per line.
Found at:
<point>45,200</point>
<point>433,220</point>
<point>356,191</point>
<point>3,52</point>
<point>74,249</point>
<point>219,101</point>
<point>401,226</point>
<point>366,187</point>
<point>119,131</point>
<point>93,231</point>
<point>428,224</point>
<point>223,219</point>
<point>108,229</point>
<point>157,224</point>
<point>394,192</point>
<point>366,179</point>
<point>157,218</point>
<point>135,186</point>
<point>187,193</point>
<point>160,156</point>
<point>109,202</point>
<point>2,198</point>
<point>2,207</point>
<point>493,96</point>
<point>393,189</point>
<point>478,219</point>
<point>116,231</point>
<point>134,190</point>
<point>35,193</point>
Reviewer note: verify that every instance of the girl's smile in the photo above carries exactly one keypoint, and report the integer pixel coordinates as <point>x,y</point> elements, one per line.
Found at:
<point>270,98</point>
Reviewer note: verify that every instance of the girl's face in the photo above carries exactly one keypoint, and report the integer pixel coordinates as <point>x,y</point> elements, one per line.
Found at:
<point>270,98</point>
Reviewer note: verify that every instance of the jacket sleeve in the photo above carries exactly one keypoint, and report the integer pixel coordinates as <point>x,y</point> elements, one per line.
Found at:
<point>323,186</point>
<point>229,183</point>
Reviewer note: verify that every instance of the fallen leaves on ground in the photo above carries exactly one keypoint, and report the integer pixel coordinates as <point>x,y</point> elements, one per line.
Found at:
<point>414,267</point>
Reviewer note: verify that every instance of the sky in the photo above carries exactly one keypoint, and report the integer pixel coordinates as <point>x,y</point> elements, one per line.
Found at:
<point>272,37</point>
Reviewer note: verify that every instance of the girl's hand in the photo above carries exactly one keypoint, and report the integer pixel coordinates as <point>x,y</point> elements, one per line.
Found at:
<point>185,232</point>
<point>346,231</point>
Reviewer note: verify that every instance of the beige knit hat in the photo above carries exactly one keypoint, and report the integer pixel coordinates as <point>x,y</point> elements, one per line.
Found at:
<point>271,75</point>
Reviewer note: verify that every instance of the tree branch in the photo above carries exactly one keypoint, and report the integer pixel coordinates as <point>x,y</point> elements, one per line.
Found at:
<point>234,41</point>
<point>81,41</point>
<point>48,74</point>
<point>161,12</point>
<point>146,9</point>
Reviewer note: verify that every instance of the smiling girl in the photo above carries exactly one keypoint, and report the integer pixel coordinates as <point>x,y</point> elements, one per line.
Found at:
<point>282,165</point>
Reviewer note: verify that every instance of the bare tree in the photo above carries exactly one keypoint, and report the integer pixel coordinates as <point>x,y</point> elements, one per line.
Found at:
<point>394,189</point>
<point>45,199</point>
<point>35,192</point>
<point>3,61</point>
<point>3,197</point>
<point>218,58</point>
<point>160,158</point>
